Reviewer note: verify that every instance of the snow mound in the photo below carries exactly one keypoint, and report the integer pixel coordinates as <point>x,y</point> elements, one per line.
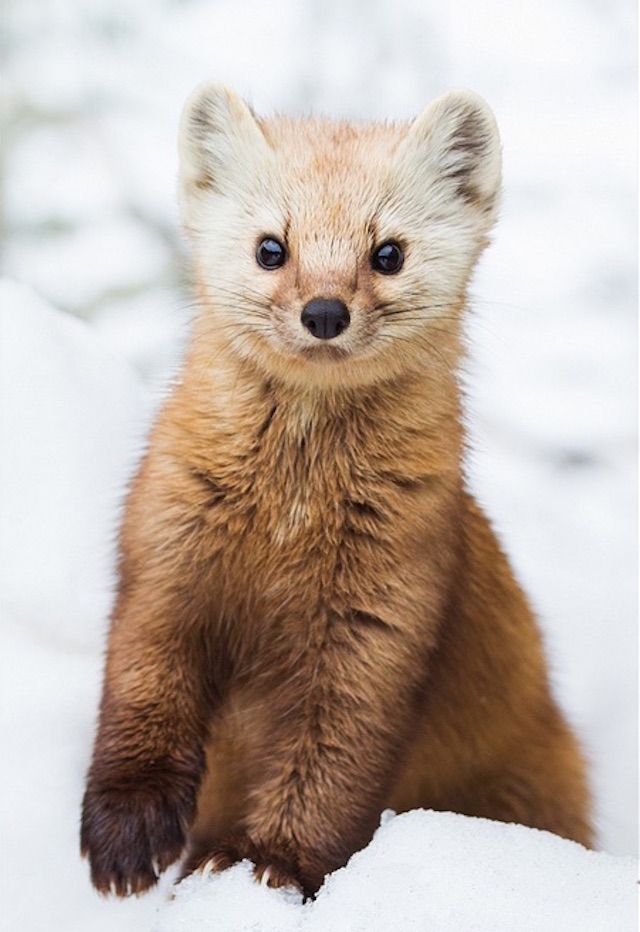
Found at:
<point>431,871</point>
<point>72,414</point>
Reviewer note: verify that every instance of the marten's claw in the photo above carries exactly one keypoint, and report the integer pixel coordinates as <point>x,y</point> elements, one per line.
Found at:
<point>270,869</point>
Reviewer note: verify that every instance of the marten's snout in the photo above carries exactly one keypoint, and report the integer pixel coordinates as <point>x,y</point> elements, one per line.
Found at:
<point>325,318</point>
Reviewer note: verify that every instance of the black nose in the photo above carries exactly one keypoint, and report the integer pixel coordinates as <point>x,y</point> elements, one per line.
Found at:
<point>325,318</point>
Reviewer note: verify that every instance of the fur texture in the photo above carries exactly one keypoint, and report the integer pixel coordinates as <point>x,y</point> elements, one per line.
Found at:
<point>314,619</point>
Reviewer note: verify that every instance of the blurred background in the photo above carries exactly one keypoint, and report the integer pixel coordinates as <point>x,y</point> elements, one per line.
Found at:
<point>92,98</point>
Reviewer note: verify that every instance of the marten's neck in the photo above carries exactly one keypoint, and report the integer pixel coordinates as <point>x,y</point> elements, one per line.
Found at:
<point>410,423</point>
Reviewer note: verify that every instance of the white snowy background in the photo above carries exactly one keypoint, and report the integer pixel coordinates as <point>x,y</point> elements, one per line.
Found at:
<point>91,102</point>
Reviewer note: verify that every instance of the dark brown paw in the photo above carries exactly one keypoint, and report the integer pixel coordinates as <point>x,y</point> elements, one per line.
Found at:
<point>272,868</point>
<point>130,836</point>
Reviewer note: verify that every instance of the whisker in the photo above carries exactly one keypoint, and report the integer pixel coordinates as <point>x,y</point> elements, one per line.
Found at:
<point>435,318</point>
<point>395,311</point>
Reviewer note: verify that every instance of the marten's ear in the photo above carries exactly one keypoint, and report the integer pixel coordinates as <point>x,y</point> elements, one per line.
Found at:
<point>456,140</point>
<point>219,135</point>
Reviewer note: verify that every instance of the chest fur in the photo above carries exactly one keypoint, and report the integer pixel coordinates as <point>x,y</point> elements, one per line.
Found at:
<point>326,516</point>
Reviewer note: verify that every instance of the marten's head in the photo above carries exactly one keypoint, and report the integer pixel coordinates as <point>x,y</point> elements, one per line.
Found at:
<point>336,253</point>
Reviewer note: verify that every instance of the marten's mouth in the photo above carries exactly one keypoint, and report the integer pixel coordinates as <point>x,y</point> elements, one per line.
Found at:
<point>346,341</point>
<point>325,352</point>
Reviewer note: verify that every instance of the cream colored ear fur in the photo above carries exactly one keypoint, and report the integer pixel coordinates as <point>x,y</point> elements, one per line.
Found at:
<point>218,137</point>
<point>455,141</point>
<point>451,151</point>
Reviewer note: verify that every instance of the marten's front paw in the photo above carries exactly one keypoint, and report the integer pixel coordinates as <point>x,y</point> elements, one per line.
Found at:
<point>274,869</point>
<point>130,836</point>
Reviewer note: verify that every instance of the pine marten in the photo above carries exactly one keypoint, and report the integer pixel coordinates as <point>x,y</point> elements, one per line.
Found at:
<point>314,620</point>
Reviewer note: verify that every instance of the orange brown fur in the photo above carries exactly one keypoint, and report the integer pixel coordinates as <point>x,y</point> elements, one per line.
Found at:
<point>314,619</point>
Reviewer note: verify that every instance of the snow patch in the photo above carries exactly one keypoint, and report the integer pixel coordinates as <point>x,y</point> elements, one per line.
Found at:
<point>432,871</point>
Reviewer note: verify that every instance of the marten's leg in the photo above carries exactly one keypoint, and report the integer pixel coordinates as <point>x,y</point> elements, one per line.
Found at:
<point>342,720</point>
<point>536,777</point>
<point>491,740</point>
<point>157,699</point>
<point>539,781</point>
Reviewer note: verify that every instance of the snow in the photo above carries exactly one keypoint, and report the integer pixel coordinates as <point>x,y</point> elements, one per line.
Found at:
<point>429,871</point>
<point>73,419</point>
<point>93,92</point>
<point>69,422</point>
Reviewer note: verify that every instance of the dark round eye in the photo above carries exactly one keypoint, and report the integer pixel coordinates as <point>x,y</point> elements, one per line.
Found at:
<point>387,258</point>
<point>270,254</point>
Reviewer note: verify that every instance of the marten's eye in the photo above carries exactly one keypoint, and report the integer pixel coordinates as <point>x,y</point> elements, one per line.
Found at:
<point>387,258</point>
<point>270,253</point>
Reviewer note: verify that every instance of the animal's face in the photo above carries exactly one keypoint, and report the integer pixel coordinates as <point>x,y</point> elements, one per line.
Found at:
<point>330,252</point>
